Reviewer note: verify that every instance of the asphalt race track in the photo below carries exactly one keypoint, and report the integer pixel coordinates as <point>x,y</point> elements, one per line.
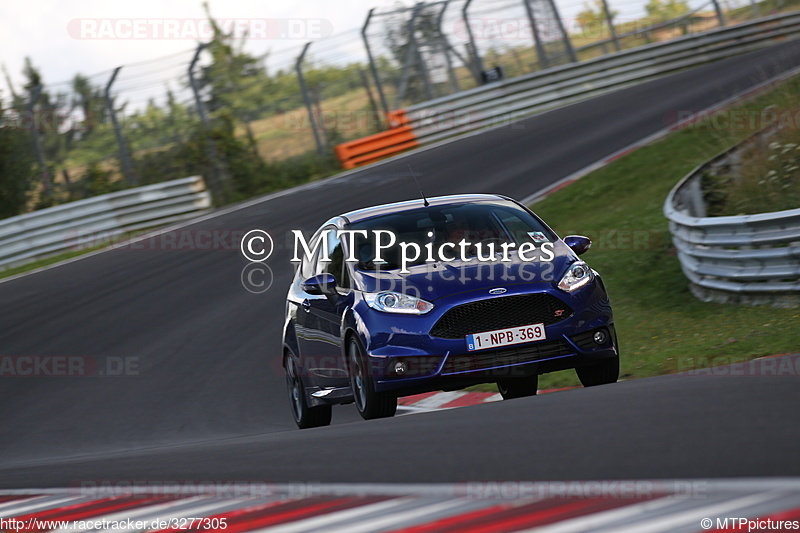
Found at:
<point>207,399</point>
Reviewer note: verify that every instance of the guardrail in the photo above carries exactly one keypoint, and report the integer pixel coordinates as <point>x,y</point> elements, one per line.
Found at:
<point>55,230</point>
<point>505,101</point>
<point>749,258</point>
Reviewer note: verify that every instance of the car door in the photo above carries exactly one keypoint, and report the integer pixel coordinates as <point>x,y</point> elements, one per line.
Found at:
<point>320,318</point>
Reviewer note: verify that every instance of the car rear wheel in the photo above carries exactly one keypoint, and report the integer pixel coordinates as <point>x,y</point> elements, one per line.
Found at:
<point>602,373</point>
<point>304,416</point>
<point>370,404</point>
<point>518,387</point>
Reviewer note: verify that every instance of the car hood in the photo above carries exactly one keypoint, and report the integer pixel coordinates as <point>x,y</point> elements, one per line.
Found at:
<point>432,281</point>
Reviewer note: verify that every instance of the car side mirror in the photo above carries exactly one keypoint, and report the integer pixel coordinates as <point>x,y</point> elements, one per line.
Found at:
<point>578,243</point>
<point>319,284</point>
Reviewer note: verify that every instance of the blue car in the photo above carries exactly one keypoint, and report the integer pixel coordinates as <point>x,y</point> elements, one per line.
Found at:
<point>439,294</point>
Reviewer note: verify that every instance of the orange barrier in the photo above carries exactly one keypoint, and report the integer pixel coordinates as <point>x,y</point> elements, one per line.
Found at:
<point>397,118</point>
<point>374,147</point>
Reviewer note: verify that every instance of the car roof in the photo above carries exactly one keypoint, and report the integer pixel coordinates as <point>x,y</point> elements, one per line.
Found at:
<point>386,209</point>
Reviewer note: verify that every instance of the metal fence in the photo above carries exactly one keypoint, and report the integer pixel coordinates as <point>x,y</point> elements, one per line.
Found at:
<point>503,102</point>
<point>141,122</point>
<point>751,259</point>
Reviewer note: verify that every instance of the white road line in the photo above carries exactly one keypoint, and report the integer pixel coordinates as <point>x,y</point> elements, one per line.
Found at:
<point>438,400</point>
<point>693,517</point>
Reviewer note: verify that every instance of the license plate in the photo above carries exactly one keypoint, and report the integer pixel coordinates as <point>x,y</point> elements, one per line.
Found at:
<point>505,337</point>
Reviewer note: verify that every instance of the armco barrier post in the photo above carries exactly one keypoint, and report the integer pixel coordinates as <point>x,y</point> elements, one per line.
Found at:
<point>474,53</point>
<point>124,154</point>
<point>718,11</point>
<point>312,119</point>
<point>445,47</point>
<point>610,22</point>
<point>564,34</point>
<point>537,39</point>
<point>372,68</point>
<point>420,60</point>
<point>376,114</point>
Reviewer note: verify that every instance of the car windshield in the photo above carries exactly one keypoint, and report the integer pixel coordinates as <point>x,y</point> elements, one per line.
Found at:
<point>476,223</point>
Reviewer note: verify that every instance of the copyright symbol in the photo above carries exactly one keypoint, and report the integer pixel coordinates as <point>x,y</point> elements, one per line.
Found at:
<point>706,523</point>
<point>256,245</point>
<point>256,277</point>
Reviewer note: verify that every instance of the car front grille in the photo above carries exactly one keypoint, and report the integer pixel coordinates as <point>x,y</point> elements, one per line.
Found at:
<point>481,360</point>
<point>499,313</point>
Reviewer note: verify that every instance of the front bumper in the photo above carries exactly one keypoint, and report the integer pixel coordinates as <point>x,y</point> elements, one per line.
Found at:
<point>453,371</point>
<point>433,363</point>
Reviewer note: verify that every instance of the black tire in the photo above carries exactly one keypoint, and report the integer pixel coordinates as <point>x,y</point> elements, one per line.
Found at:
<point>304,416</point>
<point>518,387</point>
<point>369,403</point>
<point>602,373</point>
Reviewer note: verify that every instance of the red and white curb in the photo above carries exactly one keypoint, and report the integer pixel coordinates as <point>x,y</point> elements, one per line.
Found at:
<point>477,507</point>
<point>783,364</point>
<point>437,401</point>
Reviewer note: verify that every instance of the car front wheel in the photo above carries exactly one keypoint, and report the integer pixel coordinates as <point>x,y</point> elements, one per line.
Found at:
<point>370,404</point>
<point>602,373</point>
<point>518,387</point>
<point>304,416</point>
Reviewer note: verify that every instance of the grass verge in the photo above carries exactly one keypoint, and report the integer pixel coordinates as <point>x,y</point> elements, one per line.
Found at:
<point>40,263</point>
<point>662,328</point>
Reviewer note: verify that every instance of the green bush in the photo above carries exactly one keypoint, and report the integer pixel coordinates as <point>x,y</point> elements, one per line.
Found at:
<point>16,169</point>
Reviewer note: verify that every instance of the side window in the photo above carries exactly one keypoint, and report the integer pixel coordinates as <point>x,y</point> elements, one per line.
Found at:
<point>333,247</point>
<point>336,264</point>
<point>307,266</point>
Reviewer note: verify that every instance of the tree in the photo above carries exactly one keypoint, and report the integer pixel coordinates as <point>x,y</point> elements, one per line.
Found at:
<point>16,164</point>
<point>235,79</point>
<point>89,100</point>
<point>41,129</point>
<point>660,10</point>
<point>54,127</point>
<point>589,19</point>
<point>592,18</point>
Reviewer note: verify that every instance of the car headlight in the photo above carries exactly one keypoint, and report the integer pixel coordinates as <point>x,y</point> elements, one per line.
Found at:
<point>395,302</point>
<point>577,275</point>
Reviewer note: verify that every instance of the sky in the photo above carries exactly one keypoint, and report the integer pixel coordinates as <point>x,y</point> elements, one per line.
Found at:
<point>63,37</point>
